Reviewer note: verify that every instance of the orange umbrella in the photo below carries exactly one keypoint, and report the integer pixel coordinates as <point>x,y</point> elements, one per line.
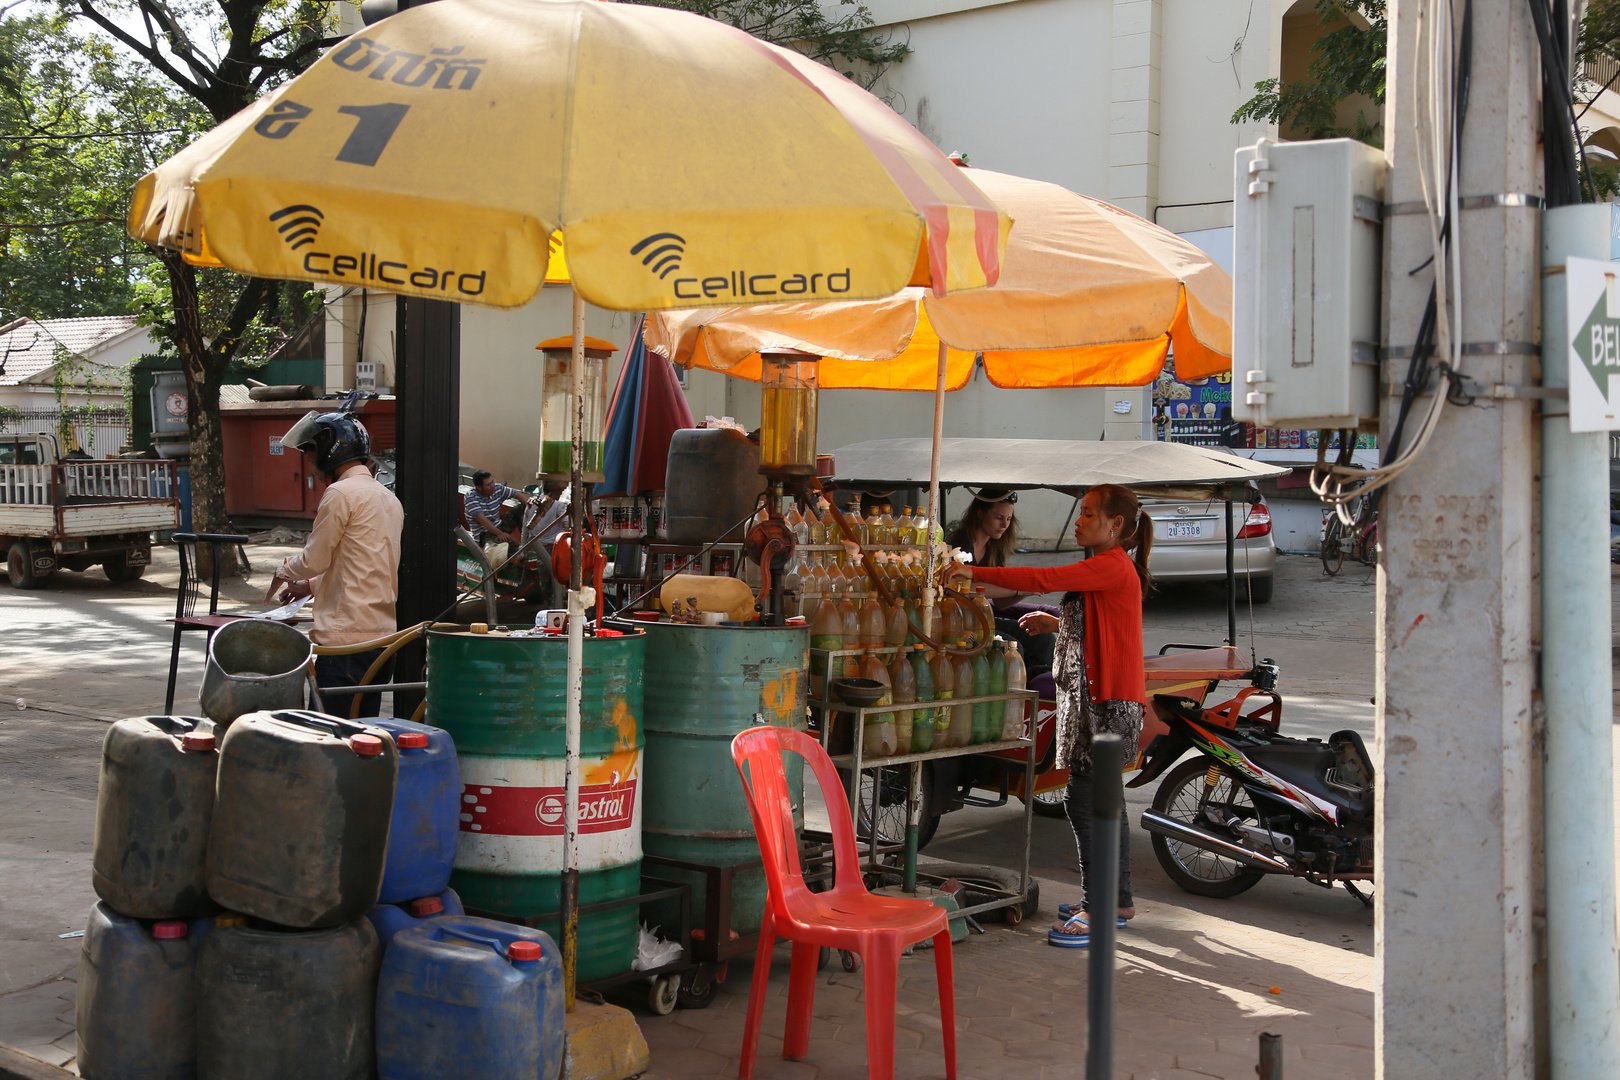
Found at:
<point>1090,295</point>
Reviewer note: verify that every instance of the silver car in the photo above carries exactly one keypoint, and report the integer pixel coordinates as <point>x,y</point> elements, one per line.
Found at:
<point>1189,543</point>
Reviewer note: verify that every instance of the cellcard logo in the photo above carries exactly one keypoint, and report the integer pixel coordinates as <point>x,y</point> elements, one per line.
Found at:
<point>662,254</point>
<point>668,253</point>
<point>301,226</point>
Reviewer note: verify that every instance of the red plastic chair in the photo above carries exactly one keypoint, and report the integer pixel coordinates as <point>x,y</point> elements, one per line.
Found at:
<point>846,917</point>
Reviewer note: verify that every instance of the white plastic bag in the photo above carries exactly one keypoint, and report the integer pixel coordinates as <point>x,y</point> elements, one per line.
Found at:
<point>651,953</point>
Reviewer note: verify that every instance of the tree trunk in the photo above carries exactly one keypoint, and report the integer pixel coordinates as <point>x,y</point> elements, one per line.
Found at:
<point>205,370</point>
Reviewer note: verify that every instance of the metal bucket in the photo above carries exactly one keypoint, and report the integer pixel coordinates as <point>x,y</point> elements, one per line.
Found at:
<point>704,685</point>
<point>253,666</point>
<point>503,701</point>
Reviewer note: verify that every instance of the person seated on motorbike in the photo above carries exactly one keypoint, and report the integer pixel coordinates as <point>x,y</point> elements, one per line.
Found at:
<point>989,530</point>
<point>484,508</point>
<point>1101,686</point>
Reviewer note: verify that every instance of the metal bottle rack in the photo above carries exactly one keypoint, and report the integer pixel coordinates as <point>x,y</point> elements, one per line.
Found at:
<point>854,764</point>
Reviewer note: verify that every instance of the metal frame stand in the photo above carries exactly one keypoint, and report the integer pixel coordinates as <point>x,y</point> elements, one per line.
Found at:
<point>853,762</point>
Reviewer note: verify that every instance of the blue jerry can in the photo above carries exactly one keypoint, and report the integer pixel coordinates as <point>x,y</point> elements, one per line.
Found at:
<point>427,806</point>
<point>390,919</point>
<point>136,1002</point>
<point>462,996</point>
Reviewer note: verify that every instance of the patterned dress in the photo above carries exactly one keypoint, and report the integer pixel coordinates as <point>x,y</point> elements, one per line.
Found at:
<point>1078,717</point>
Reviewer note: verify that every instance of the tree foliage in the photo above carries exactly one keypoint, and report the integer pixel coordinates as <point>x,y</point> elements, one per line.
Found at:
<point>79,124</point>
<point>843,39</point>
<point>1348,61</point>
<point>217,57</point>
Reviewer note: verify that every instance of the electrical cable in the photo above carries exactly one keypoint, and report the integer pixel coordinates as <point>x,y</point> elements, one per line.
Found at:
<point>1443,87</point>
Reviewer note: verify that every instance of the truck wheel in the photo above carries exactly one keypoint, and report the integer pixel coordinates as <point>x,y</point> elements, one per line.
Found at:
<point>120,571</point>
<point>20,568</point>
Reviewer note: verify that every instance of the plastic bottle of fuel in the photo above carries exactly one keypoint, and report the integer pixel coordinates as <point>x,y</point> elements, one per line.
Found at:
<point>905,693</point>
<point>922,725</point>
<point>944,689</point>
<point>962,715</point>
<point>981,686</point>
<point>995,711</point>
<point>1017,679</point>
<point>879,733</point>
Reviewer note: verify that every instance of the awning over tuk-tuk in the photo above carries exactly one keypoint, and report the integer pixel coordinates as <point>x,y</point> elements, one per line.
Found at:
<point>1060,464</point>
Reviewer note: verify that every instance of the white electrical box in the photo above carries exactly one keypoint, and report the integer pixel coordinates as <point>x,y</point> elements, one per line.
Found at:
<point>1307,275</point>
<point>368,376</point>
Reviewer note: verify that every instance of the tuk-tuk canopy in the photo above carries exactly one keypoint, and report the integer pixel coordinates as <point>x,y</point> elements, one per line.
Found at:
<point>1063,465</point>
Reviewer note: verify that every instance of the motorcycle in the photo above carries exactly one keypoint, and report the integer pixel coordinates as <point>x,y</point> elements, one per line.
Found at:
<point>1255,802</point>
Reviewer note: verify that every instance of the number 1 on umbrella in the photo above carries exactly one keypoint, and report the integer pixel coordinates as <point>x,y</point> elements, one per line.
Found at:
<point>375,126</point>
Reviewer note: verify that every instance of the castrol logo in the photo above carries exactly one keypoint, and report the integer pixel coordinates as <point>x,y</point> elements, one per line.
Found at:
<point>538,811</point>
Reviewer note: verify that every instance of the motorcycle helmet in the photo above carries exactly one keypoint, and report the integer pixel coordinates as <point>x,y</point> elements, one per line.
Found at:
<point>330,439</point>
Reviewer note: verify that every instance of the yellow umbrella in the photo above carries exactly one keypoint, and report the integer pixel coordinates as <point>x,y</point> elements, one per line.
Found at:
<point>1090,295</point>
<point>437,153</point>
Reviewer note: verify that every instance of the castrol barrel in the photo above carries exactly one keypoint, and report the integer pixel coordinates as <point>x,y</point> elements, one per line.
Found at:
<point>704,685</point>
<point>503,700</point>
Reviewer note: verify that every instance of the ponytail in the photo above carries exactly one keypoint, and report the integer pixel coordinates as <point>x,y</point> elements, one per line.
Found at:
<point>1137,534</point>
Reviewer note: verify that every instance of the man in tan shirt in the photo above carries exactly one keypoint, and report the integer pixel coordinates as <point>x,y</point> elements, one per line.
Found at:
<point>350,563</point>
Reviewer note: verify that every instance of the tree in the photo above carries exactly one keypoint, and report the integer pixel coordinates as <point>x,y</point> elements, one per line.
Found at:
<point>1597,51</point>
<point>1348,61</point>
<point>844,42</point>
<point>220,55</point>
<point>78,126</point>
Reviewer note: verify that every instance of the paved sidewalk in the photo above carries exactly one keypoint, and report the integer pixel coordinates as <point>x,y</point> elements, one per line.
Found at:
<point>1193,996</point>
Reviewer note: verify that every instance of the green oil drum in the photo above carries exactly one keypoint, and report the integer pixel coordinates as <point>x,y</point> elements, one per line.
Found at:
<point>704,685</point>
<point>503,701</point>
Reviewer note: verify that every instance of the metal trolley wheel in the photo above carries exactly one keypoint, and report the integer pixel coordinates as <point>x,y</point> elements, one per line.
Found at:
<point>698,988</point>
<point>665,992</point>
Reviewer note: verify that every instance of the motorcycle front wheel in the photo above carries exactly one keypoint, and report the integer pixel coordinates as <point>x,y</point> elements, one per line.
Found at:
<point>1180,796</point>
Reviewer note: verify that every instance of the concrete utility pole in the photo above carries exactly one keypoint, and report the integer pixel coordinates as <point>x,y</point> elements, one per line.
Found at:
<point>1456,929</point>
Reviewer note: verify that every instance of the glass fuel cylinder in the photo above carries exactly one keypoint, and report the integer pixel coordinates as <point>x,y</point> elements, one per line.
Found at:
<point>787,426</point>
<point>557,408</point>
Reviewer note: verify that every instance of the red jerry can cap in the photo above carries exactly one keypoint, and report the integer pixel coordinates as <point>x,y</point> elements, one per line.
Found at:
<point>423,906</point>
<point>197,740</point>
<point>365,745</point>
<point>169,929</point>
<point>523,950</point>
<point>411,740</point>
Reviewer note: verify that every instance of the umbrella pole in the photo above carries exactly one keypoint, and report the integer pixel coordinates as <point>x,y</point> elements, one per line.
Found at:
<point>933,496</point>
<point>569,906</point>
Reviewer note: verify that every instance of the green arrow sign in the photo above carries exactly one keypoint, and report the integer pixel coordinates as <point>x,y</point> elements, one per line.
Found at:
<point>1598,344</point>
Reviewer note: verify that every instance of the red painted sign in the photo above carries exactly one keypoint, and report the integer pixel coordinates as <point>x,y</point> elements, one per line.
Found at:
<point>538,811</point>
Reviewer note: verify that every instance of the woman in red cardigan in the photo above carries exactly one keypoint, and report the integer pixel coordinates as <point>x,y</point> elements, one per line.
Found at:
<point>1098,663</point>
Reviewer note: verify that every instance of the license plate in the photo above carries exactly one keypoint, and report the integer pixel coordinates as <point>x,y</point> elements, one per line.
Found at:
<point>1175,529</point>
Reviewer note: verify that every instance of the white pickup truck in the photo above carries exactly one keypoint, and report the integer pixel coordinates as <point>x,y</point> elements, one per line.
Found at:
<point>72,515</point>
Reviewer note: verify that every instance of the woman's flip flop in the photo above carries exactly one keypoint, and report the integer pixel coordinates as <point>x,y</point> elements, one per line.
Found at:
<point>1072,935</point>
<point>1069,911</point>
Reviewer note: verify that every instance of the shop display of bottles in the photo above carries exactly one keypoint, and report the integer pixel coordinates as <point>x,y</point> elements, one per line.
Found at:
<point>918,675</point>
